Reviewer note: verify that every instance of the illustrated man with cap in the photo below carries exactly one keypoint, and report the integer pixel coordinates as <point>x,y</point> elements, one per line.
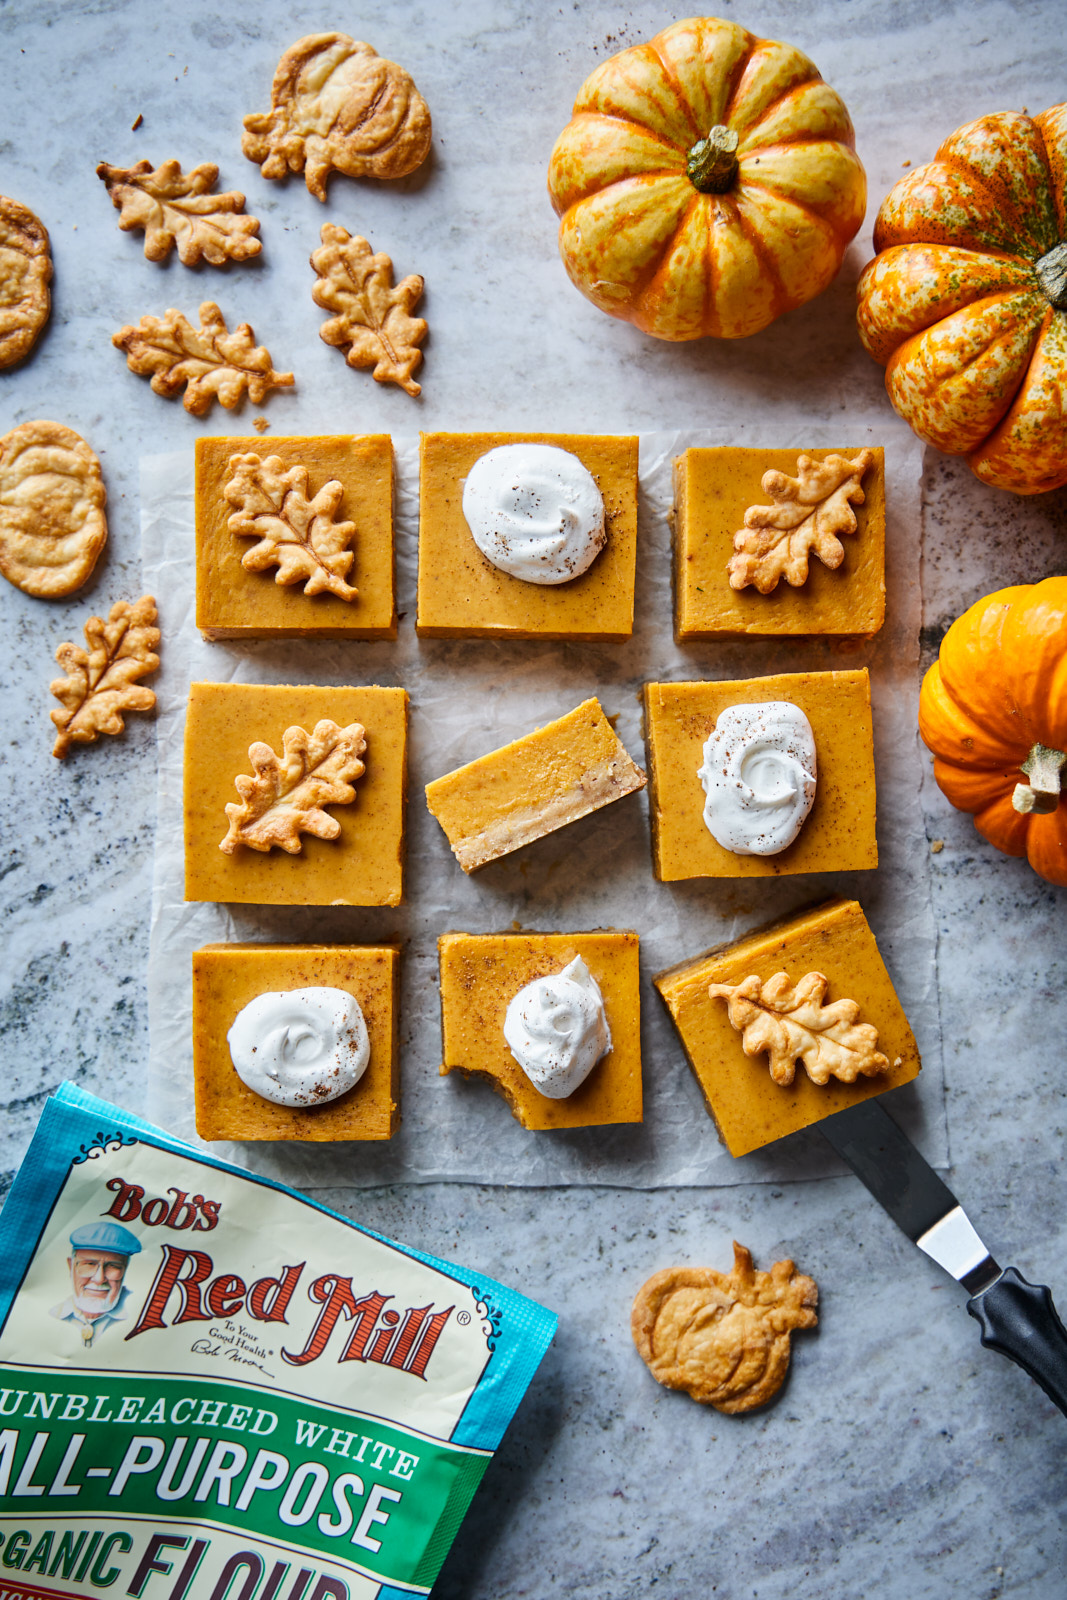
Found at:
<point>99,1255</point>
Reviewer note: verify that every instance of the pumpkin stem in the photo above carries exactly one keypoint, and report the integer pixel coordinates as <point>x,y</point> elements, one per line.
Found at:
<point>1042,794</point>
<point>1052,275</point>
<point>711,165</point>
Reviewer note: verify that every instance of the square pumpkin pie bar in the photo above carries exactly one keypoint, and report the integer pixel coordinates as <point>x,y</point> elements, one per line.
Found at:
<point>750,520</point>
<point>346,784</point>
<point>482,974</point>
<point>733,1065</point>
<point>301,560</point>
<point>228,977</point>
<point>689,754</point>
<point>517,794</point>
<point>463,594</point>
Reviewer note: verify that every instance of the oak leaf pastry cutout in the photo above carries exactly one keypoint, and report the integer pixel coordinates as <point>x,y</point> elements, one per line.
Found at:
<point>297,534</point>
<point>336,105</point>
<point>25,275</point>
<point>285,798</point>
<point>723,1337</point>
<point>176,208</point>
<point>101,682</point>
<point>372,316</point>
<point>52,498</point>
<point>209,361</point>
<point>808,514</point>
<point>792,1024</point>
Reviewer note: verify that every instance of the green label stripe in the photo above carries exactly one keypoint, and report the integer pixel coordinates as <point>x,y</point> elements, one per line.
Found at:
<point>291,1470</point>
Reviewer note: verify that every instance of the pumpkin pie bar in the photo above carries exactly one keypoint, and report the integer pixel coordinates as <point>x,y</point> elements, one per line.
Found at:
<point>713,489</point>
<point>749,1108</point>
<point>461,594</point>
<point>234,602</point>
<point>482,973</point>
<point>839,832</point>
<point>527,789</point>
<point>227,977</point>
<point>363,864</point>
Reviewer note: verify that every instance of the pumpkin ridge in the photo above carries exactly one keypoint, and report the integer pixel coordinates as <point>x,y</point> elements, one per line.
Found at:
<point>754,186</point>
<point>999,208</point>
<point>680,97</point>
<point>744,148</point>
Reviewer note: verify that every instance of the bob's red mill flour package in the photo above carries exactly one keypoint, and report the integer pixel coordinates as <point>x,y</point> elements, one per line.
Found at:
<point>212,1388</point>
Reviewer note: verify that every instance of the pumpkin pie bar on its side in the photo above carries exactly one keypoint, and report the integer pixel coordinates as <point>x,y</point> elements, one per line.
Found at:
<point>363,865</point>
<point>839,833</point>
<point>713,488</point>
<point>462,595</point>
<point>531,787</point>
<point>749,1108</point>
<point>227,977</point>
<point>234,603</point>
<point>480,976</point>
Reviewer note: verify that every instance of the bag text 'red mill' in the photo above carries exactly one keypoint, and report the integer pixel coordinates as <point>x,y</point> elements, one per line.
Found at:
<point>403,1340</point>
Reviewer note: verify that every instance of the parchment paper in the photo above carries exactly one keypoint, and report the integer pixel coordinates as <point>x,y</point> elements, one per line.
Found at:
<point>468,697</point>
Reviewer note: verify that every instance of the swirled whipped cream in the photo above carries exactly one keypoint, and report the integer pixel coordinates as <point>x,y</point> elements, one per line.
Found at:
<point>759,776</point>
<point>535,512</point>
<point>300,1047</point>
<point>557,1030</point>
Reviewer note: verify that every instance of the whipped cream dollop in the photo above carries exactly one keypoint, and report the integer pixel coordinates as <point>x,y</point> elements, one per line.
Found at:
<point>557,1029</point>
<point>535,512</point>
<point>759,776</point>
<point>300,1047</point>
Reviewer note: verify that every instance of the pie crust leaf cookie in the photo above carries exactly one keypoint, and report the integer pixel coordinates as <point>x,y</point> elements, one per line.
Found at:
<point>297,534</point>
<point>52,497</point>
<point>101,682</point>
<point>793,1024</point>
<point>209,361</point>
<point>338,105</point>
<point>808,514</point>
<point>25,274</point>
<point>285,798</point>
<point>372,316</point>
<point>723,1337</point>
<point>176,208</point>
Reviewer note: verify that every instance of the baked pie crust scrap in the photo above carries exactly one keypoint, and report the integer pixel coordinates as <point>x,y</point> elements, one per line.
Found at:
<point>209,362</point>
<point>285,797</point>
<point>372,321</point>
<point>336,105</point>
<point>52,497</point>
<point>101,682</point>
<point>176,208</point>
<point>723,1337</point>
<point>25,274</point>
<point>297,533</point>
<point>808,514</point>
<point>792,1024</point>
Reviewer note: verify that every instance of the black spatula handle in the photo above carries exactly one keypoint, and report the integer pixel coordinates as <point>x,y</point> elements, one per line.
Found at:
<point>1020,1320</point>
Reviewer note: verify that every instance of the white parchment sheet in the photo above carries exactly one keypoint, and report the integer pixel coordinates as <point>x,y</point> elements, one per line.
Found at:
<point>470,696</point>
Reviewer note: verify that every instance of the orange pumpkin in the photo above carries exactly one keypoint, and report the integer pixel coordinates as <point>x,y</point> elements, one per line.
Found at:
<point>993,709</point>
<point>707,183</point>
<point>966,305</point>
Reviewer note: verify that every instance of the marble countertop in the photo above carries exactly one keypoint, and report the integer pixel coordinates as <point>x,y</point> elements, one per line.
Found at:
<point>901,1457</point>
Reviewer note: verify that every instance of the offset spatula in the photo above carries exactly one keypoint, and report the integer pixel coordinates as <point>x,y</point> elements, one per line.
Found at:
<point>1017,1318</point>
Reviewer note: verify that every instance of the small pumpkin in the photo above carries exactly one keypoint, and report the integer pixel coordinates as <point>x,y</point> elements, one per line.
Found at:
<point>993,709</point>
<point>707,182</point>
<point>966,303</point>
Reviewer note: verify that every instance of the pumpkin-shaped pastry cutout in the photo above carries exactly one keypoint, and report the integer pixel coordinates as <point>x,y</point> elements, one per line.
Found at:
<point>723,1337</point>
<point>966,304</point>
<point>52,497</point>
<point>993,709</point>
<point>707,182</point>
<point>25,276</point>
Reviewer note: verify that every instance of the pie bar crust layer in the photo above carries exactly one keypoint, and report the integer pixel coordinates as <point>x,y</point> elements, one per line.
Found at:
<point>838,835</point>
<point>713,488</point>
<point>363,865</point>
<point>234,603</point>
<point>482,973</point>
<point>749,1108</point>
<point>527,789</point>
<point>227,977</point>
<point>461,593</point>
